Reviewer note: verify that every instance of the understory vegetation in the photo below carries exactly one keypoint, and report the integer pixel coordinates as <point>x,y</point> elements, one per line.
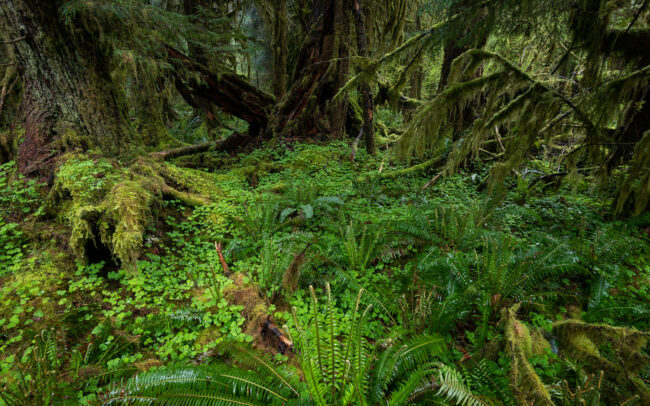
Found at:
<point>324,202</point>
<point>386,292</point>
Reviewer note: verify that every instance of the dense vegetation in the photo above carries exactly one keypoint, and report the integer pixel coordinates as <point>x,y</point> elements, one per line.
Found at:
<point>242,202</point>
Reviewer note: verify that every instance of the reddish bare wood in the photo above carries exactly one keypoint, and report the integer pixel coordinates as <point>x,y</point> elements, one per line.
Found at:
<point>224,265</point>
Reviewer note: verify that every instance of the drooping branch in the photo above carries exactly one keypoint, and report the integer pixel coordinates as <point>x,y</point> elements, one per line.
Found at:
<point>227,90</point>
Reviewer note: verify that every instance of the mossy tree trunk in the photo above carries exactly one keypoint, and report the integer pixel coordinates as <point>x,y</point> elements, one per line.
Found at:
<point>280,50</point>
<point>473,34</point>
<point>339,111</point>
<point>417,76</point>
<point>230,92</point>
<point>68,99</point>
<point>305,111</point>
<point>366,92</point>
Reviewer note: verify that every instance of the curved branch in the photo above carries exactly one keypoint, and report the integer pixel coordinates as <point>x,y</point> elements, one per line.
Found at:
<point>227,90</point>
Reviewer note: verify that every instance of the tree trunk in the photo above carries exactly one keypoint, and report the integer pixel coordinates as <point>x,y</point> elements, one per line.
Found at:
<point>456,44</point>
<point>280,50</point>
<point>68,99</point>
<point>339,111</point>
<point>470,37</point>
<point>417,76</point>
<point>366,92</point>
<point>229,91</point>
<point>304,111</point>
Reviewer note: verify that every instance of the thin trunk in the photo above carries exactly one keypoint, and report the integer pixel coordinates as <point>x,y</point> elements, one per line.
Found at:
<point>473,36</point>
<point>366,92</point>
<point>417,77</point>
<point>280,50</point>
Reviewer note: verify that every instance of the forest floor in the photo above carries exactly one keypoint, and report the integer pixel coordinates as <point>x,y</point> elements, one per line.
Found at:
<point>291,216</point>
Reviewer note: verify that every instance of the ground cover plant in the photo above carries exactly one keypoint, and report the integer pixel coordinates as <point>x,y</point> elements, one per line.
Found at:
<point>324,202</point>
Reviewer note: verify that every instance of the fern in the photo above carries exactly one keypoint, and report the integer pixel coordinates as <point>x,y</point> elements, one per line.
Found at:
<point>451,385</point>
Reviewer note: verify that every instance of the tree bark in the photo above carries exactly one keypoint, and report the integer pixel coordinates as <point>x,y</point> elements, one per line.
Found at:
<point>470,37</point>
<point>366,92</point>
<point>304,111</point>
<point>229,91</point>
<point>339,111</point>
<point>68,99</point>
<point>417,76</point>
<point>280,51</point>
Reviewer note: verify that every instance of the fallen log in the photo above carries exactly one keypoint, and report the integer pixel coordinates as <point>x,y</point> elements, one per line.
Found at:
<point>233,142</point>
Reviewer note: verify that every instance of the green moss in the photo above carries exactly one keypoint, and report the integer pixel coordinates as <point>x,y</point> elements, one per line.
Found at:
<point>208,336</point>
<point>525,383</point>
<point>127,209</point>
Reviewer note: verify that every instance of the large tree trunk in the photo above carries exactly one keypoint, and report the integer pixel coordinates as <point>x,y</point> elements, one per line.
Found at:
<point>305,110</point>
<point>68,99</point>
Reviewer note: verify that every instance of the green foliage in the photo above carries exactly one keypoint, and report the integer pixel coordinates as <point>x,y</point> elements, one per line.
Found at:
<point>435,266</point>
<point>340,367</point>
<point>19,201</point>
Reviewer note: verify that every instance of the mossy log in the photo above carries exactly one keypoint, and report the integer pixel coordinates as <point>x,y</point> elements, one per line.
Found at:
<point>233,142</point>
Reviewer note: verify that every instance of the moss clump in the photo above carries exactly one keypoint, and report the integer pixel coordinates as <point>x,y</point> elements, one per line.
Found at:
<point>103,202</point>
<point>128,208</point>
<point>313,157</point>
<point>525,383</point>
<point>208,336</point>
<point>243,293</point>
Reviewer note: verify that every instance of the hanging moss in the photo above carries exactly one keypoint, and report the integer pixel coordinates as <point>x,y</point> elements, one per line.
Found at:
<point>525,382</point>
<point>583,341</point>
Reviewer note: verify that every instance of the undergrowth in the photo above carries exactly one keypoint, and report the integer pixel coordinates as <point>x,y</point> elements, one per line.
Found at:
<point>355,268</point>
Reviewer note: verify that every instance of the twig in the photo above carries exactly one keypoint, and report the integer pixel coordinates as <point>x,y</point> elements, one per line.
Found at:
<point>432,181</point>
<point>636,16</point>
<point>11,41</point>
<point>496,130</point>
<point>5,92</point>
<point>224,265</point>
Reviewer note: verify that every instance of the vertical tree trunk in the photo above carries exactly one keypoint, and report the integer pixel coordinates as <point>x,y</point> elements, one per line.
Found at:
<point>68,99</point>
<point>280,48</point>
<point>417,77</point>
<point>342,28</point>
<point>471,36</point>
<point>366,92</point>
<point>458,43</point>
<point>305,110</point>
